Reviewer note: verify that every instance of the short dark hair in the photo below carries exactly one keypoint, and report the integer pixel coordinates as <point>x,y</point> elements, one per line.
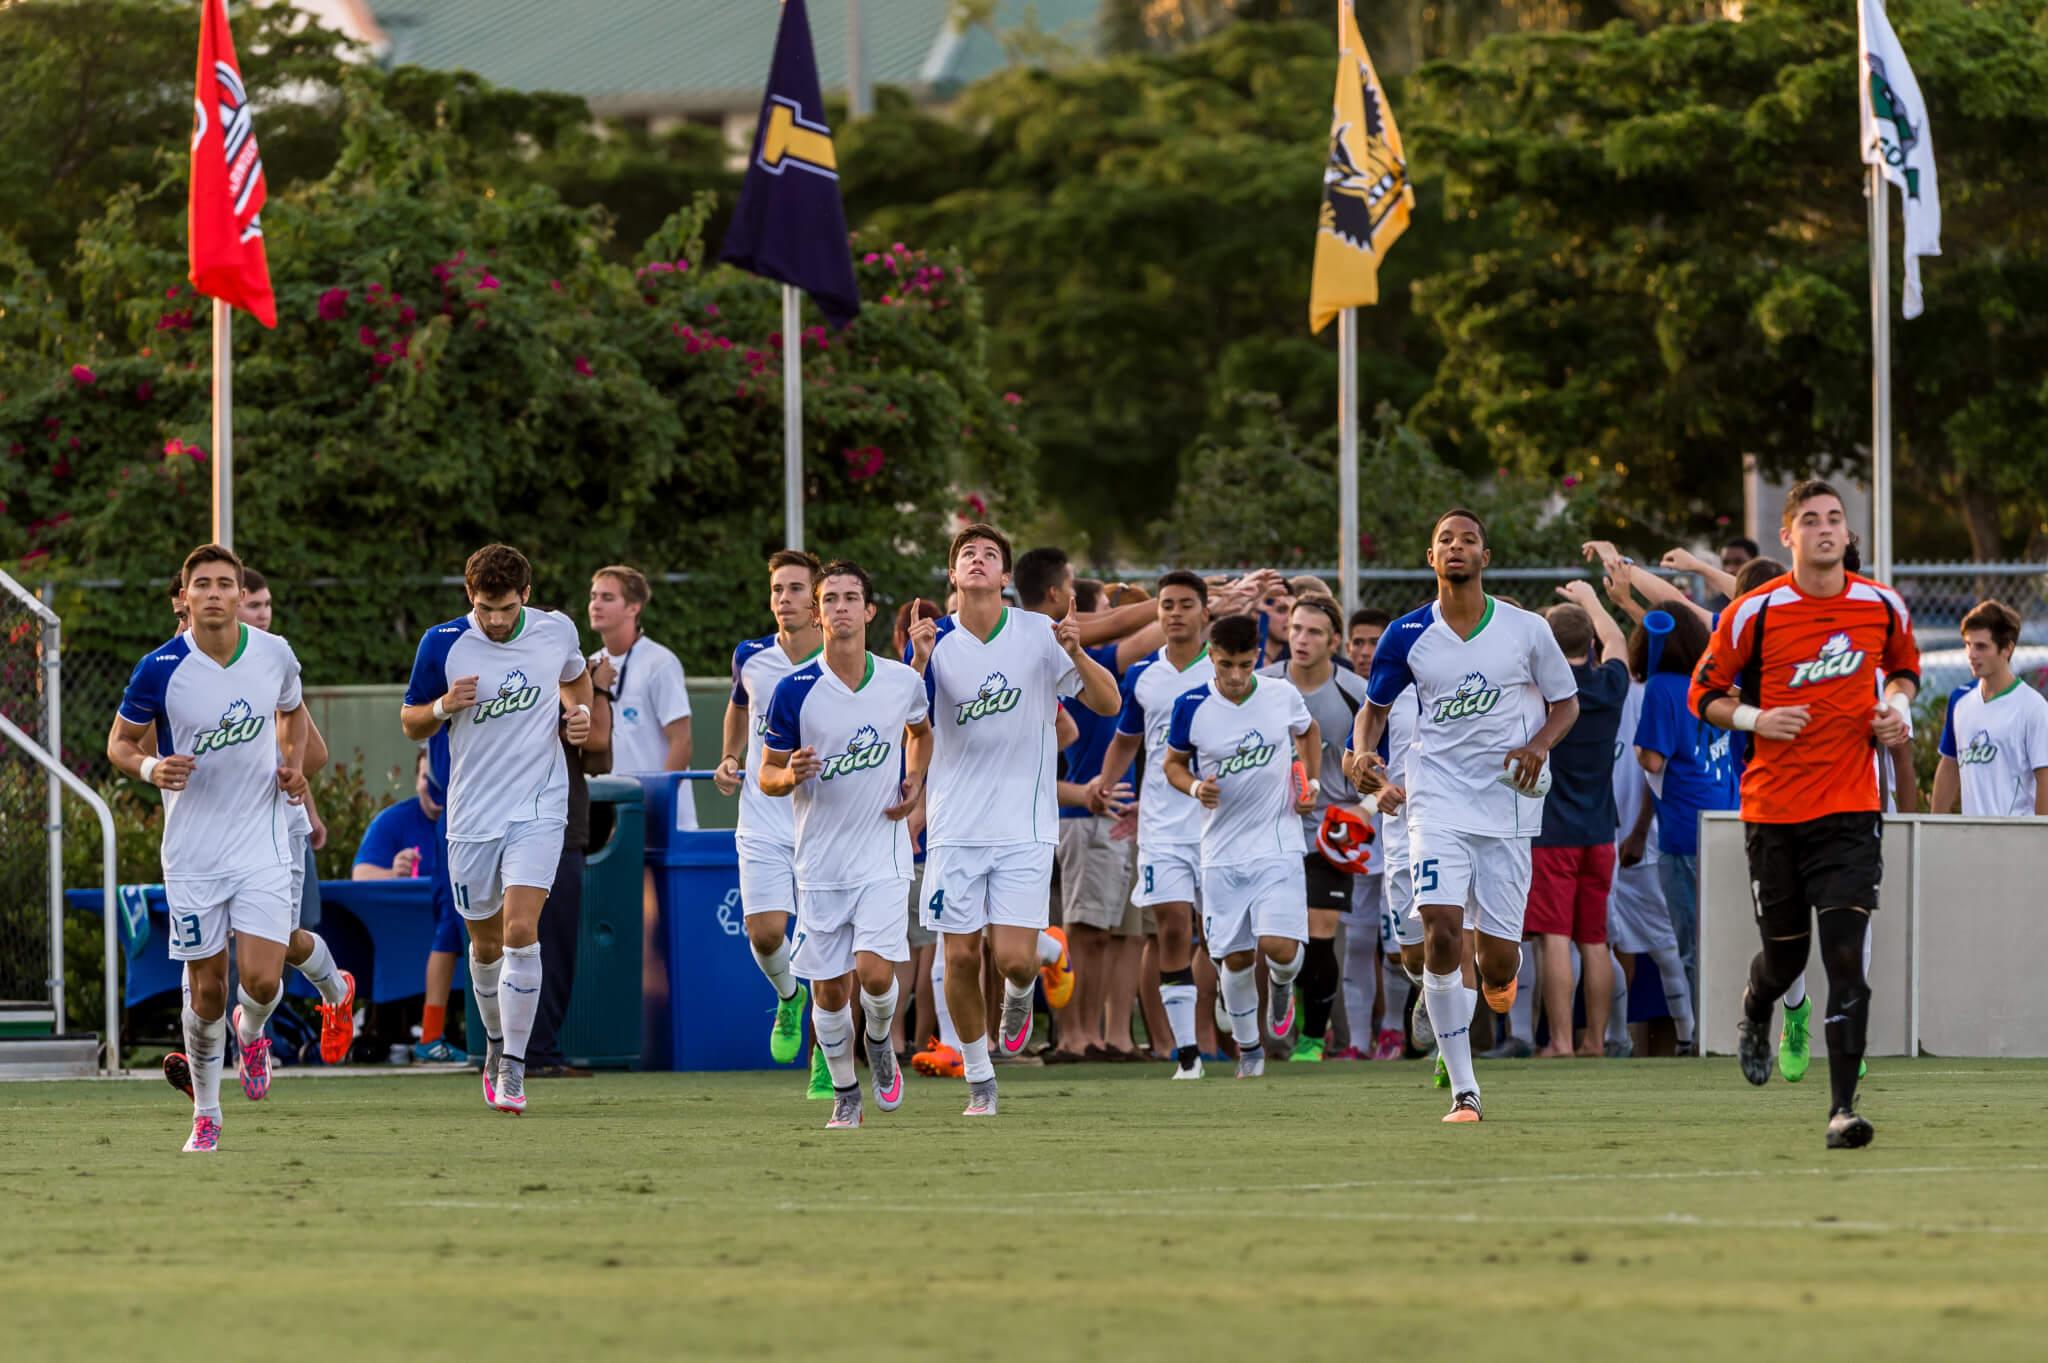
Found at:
<point>1087,594</point>
<point>208,553</point>
<point>1370,615</point>
<point>1852,554</point>
<point>844,567</point>
<point>980,530</point>
<point>1804,491</point>
<point>1037,573</point>
<point>177,584</point>
<point>1996,618</point>
<point>633,584</point>
<point>1755,573</point>
<point>1572,628</point>
<point>1181,577</point>
<point>496,569</point>
<point>1745,544</point>
<point>253,581</point>
<point>1467,513</point>
<point>1235,634</point>
<point>794,558</point>
<point>1324,605</point>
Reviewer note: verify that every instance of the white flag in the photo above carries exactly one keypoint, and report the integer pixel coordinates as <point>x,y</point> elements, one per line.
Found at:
<point>1898,137</point>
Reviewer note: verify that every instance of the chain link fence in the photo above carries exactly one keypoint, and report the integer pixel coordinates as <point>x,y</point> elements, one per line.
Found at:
<point>27,630</point>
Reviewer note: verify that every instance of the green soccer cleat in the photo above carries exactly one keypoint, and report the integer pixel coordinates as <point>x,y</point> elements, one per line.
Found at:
<point>821,1078</point>
<point>1794,1052</point>
<point>1309,1048</point>
<point>788,1037</point>
<point>1442,1078</point>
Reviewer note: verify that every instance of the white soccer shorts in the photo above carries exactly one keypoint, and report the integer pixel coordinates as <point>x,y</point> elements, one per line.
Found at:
<point>967,889</point>
<point>832,924</point>
<point>767,876</point>
<point>1241,904</point>
<point>480,872</point>
<point>1488,877</point>
<point>1171,873</point>
<point>255,903</point>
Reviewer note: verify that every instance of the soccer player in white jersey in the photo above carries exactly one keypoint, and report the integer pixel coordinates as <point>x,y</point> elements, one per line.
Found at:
<point>992,675</point>
<point>1403,920</point>
<point>766,838</point>
<point>488,677</point>
<point>213,697</point>
<point>1994,744</point>
<point>1226,748</point>
<point>1495,695</point>
<point>849,740</point>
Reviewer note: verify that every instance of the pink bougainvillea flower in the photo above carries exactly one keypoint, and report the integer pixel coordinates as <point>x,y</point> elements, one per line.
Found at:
<point>32,555</point>
<point>863,463</point>
<point>61,469</point>
<point>173,447</point>
<point>489,281</point>
<point>1571,480</point>
<point>711,309</point>
<point>976,504</point>
<point>870,258</point>
<point>1012,398</point>
<point>555,284</point>
<point>83,376</point>
<point>367,337</point>
<point>333,305</point>
<point>582,366</point>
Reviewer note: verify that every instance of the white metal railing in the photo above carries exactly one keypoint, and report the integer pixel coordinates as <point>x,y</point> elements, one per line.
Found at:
<point>50,658</point>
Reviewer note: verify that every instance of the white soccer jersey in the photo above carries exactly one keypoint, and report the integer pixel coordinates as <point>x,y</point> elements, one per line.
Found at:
<point>1480,698</point>
<point>758,667</point>
<point>505,762</point>
<point>1403,727</point>
<point>842,836</point>
<point>231,816</point>
<point>1998,745</point>
<point>1247,749</point>
<point>1150,688</point>
<point>993,745</point>
<point>1631,782</point>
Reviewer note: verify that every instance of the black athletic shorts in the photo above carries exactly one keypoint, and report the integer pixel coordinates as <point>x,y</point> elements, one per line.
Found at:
<point>1833,862</point>
<point>1328,887</point>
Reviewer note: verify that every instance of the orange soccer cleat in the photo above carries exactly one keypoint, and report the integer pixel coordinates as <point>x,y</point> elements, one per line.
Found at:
<point>1058,978</point>
<point>338,1025</point>
<point>939,1061</point>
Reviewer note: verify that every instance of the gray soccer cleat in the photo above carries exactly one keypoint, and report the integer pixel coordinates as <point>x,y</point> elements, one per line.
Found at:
<point>494,1057</point>
<point>888,1075</point>
<point>1754,1050</point>
<point>981,1098</point>
<point>1251,1062</point>
<point>1016,1026</point>
<point>1418,1026</point>
<point>511,1086</point>
<point>845,1109</point>
<point>1280,1012</point>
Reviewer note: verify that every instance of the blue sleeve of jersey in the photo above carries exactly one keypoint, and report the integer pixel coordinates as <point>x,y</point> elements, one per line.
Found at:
<point>1948,722</point>
<point>430,666</point>
<point>1131,719</point>
<point>143,701</point>
<point>1180,733</point>
<point>739,690</point>
<point>380,845</point>
<point>785,712</point>
<point>1657,730</point>
<point>1390,675</point>
<point>1104,654</point>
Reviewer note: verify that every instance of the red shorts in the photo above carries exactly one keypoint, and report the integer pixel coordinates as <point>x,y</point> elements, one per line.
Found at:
<point>1568,892</point>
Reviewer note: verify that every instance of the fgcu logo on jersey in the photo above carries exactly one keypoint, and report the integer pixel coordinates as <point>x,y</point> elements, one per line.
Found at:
<point>996,696</point>
<point>1980,751</point>
<point>1473,698</point>
<point>1836,660</point>
<point>237,725</point>
<point>863,751</point>
<point>1252,751</point>
<point>513,696</point>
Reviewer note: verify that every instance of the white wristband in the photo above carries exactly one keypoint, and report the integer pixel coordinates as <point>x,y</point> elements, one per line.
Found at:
<point>1897,700</point>
<point>148,766</point>
<point>1746,717</point>
<point>440,711</point>
<point>1315,785</point>
<point>584,708</point>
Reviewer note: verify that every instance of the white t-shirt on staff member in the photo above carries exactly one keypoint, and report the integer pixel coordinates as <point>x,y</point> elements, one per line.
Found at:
<point>648,695</point>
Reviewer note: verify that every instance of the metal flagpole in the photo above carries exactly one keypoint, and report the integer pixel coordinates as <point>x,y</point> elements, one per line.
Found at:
<point>223,426</point>
<point>1880,377</point>
<point>792,419</point>
<point>860,95</point>
<point>1347,459</point>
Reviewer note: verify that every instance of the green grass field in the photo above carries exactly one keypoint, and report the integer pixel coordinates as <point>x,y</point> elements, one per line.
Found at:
<point>1628,1210</point>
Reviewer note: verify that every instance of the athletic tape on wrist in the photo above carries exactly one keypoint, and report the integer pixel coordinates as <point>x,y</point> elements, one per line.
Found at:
<point>149,765</point>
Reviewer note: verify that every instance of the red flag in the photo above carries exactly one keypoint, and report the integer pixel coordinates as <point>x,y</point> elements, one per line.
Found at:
<point>226,240</point>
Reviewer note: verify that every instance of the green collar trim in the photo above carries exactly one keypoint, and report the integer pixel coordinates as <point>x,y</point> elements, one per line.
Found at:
<point>1250,691</point>
<point>518,628</point>
<point>2006,692</point>
<point>1001,620</point>
<point>241,646</point>
<point>1192,661</point>
<point>1484,620</point>
<point>869,674</point>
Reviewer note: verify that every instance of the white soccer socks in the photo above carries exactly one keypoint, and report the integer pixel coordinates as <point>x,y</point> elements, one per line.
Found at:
<point>206,1045</point>
<point>1282,974</point>
<point>1177,995</point>
<point>833,1031</point>
<point>978,1067</point>
<point>1048,949</point>
<point>948,1034</point>
<point>1795,992</point>
<point>1240,990</point>
<point>881,1012</point>
<point>320,972</point>
<point>775,965</point>
<point>1450,1007</point>
<point>483,983</point>
<point>253,1017</point>
<point>519,997</point>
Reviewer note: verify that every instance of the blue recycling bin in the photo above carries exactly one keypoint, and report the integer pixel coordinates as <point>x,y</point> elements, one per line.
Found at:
<point>708,1008</point>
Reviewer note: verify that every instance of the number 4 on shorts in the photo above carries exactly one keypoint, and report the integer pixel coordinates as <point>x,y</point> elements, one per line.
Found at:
<point>938,903</point>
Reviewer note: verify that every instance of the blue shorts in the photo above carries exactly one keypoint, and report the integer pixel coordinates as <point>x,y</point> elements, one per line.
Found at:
<point>447,922</point>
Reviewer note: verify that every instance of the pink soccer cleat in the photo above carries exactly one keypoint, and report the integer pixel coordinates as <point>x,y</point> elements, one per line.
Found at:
<point>205,1138</point>
<point>253,1064</point>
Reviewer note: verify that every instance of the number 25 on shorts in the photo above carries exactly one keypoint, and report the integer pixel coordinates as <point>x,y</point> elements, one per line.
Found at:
<point>1425,876</point>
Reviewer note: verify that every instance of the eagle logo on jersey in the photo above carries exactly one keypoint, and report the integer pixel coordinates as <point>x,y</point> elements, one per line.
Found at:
<point>1252,751</point>
<point>1474,697</point>
<point>1980,751</point>
<point>514,695</point>
<point>238,724</point>
<point>995,696</point>
<point>864,751</point>
<point>1836,660</point>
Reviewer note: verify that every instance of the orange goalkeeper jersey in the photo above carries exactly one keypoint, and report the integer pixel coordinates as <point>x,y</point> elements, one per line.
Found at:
<point>1776,646</point>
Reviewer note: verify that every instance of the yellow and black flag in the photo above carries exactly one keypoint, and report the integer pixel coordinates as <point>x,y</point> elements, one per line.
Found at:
<point>1366,194</point>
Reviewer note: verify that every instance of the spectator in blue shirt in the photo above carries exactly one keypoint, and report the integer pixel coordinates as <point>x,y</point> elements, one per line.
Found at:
<point>406,840</point>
